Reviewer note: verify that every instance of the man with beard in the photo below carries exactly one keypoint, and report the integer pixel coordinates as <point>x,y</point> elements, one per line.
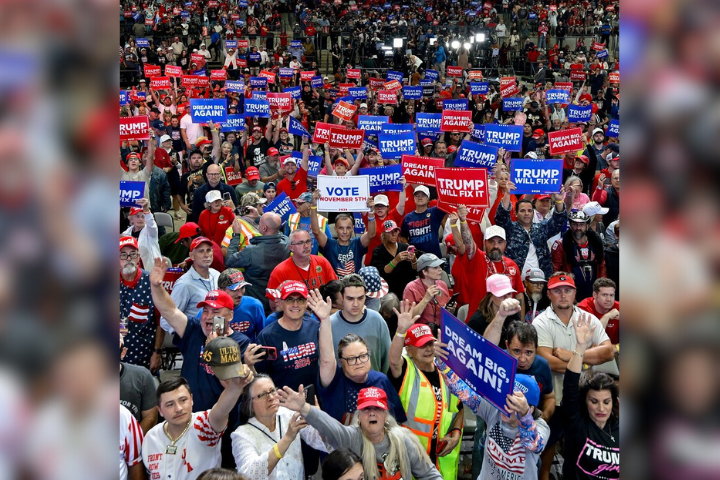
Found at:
<point>440,150</point>
<point>258,147</point>
<point>302,220</point>
<point>609,197</point>
<point>144,338</point>
<point>214,183</point>
<point>191,181</point>
<point>580,251</point>
<point>294,182</point>
<point>538,144</point>
<point>270,171</point>
<point>598,147</point>
<point>535,299</point>
<point>420,227</point>
<point>527,138</point>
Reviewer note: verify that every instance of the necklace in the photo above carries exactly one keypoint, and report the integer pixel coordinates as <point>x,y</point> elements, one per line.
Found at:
<point>304,278</point>
<point>172,448</point>
<point>612,437</point>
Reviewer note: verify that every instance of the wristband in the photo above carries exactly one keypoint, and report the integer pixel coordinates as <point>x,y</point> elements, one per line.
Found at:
<point>455,430</point>
<point>313,208</point>
<point>463,222</point>
<point>391,264</point>
<point>453,225</point>
<point>277,451</point>
<point>157,350</point>
<point>558,202</point>
<point>401,335</point>
<point>575,352</point>
<point>371,219</point>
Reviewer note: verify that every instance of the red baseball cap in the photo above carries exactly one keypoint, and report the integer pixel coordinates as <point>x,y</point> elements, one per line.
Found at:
<point>202,142</point>
<point>418,335</point>
<point>128,242</point>
<point>584,159</point>
<point>390,226</point>
<point>341,160</point>
<point>217,299</point>
<point>135,211</point>
<point>252,173</point>
<point>537,133</point>
<point>450,241</point>
<point>542,196</point>
<point>290,287</point>
<point>561,281</point>
<point>372,397</point>
<point>256,129</point>
<point>451,148</point>
<point>272,151</point>
<point>198,241</point>
<point>426,142</point>
<point>188,230</point>
<point>134,155</point>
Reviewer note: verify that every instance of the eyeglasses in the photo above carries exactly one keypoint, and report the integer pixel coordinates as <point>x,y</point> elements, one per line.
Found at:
<point>295,300</point>
<point>306,242</point>
<point>354,360</point>
<point>266,395</point>
<point>126,256</point>
<point>214,174</point>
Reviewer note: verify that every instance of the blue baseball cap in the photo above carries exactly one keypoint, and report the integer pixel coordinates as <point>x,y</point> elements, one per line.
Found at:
<point>529,387</point>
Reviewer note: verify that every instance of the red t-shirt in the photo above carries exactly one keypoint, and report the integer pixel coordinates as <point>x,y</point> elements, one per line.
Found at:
<point>162,158</point>
<point>300,182</point>
<point>214,225</point>
<point>319,273</point>
<point>376,241</point>
<point>473,278</point>
<point>613,326</point>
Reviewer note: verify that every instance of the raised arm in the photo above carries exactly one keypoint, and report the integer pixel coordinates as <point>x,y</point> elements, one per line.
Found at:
<point>161,298</point>
<point>328,363</point>
<point>493,332</point>
<point>405,321</point>
<point>269,131</point>
<point>465,234</point>
<point>314,223</point>
<point>356,166</point>
<point>220,412</point>
<point>457,236</point>
<point>215,130</point>
<point>276,133</point>
<point>372,226</point>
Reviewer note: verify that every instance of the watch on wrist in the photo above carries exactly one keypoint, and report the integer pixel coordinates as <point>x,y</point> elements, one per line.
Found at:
<point>157,350</point>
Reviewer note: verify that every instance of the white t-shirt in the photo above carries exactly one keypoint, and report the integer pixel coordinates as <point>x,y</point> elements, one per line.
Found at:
<point>131,438</point>
<point>531,261</point>
<point>192,130</point>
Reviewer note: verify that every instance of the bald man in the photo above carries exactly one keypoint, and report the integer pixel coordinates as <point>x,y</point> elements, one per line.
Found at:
<point>214,182</point>
<point>260,257</point>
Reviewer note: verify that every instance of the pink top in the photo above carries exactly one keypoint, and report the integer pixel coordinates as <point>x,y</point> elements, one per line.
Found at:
<point>580,201</point>
<point>415,291</point>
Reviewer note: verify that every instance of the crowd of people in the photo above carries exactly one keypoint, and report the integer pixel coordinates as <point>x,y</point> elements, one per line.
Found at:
<point>311,340</point>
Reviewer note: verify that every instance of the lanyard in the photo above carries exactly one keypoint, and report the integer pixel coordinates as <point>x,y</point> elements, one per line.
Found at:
<point>266,434</point>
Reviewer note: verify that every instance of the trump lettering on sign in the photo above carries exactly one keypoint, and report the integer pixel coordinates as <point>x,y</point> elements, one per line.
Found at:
<point>134,128</point>
<point>353,73</point>
<point>557,96</point>
<point>508,137</point>
<point>457,105</point>
<point>454,71</point>
<point>344,111</point>
<point>130,192</point>
<point>387,97</point>
<point>476,155</point>
<point>344,138</point>
<point>151,70</point>
<point>395,128</point>
<point>536,176</point>
<point>456,121</point>
<point>160,83</point>
<point>396,145</point>
<point>392,85</point>
<point>565,141</point>
<point>384,179</point>
<point>420,170</point>
<point>428,122</point>
<point>322,131</point>
<point>462,186</point>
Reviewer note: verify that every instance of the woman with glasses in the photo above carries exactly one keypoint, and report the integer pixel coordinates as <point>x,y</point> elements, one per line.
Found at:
<point>268,445</point>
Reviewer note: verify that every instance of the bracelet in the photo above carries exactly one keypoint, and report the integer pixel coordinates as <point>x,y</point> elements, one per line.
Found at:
<point>455,430</point>
<point>558,202</point>
<point>401,335</point>
<point>277,451</point>
<point>463,222</point>
<point>371,219</point>
<point>391,264</point>
<point>574,352</point>
<point>157,350</point>
<point>453,225</point>
<point>313,208</point>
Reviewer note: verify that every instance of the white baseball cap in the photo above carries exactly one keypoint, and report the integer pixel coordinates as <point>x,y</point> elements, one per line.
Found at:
<point>593,208</point>
<point>495,231</point>
<point>165,138</point>
<point>598,130</point>
<point>212,196</point>
<point>423,189</point>
<point>382,200</point>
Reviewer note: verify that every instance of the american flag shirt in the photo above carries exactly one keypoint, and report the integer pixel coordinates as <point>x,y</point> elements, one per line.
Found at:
<point>137,305</point>
<point>345,259</point>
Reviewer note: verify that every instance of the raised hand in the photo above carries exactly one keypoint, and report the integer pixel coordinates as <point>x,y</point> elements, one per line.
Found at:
<point>253,354</point>
<point>584,330</point>
<point>405,316</point>
<point>462,212</point>
<point>157,274</point>
<point>320,307</point>
<point>517,403</point>
<point>296,424</point>
<point>439,348</point>
<point>292,399</point>
<point>509,306</point>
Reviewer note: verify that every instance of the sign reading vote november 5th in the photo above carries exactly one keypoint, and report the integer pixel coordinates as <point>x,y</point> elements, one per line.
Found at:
<point>202,110</point>
<point>536,176</point>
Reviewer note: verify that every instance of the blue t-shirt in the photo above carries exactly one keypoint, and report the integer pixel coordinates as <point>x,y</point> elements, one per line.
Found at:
<point>421,230</point>
<point>345,259</point>
<point>248,317</point>
<point>540,371</point>
<point>305,225</point>
<point>339,399</point>
<point>297,354</point>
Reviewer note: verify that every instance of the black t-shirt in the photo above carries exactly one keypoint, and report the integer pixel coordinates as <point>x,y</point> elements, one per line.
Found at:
<point>255,154</point>
<point>401,275</point>
<point>190,182</point>
<point>479,323</point>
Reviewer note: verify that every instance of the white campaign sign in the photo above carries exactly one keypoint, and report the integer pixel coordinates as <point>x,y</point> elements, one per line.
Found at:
<point>343,194</point>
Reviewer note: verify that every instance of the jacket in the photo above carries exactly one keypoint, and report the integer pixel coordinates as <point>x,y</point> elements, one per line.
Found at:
<point>518,241</point>
<point>561,262</point>
<point>147,241</point>
<point>159,191</point>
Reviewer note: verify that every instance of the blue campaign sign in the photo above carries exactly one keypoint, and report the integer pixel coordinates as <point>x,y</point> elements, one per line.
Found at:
<point>358,92</point>
<point>475,155</point>
<point>577,113</point>
<point>536,176</point>
<point>512,104</point>
<point>124,97</point>
<point>393,75</point>
<point>478,133</point>
<point>282,205</point>
<point>384,179</point>
<point>508,137</point>
<point>372,123</point>
<point>395,128</point>
<point>315,163</point>
<point>316,82</point>
<point>234,123</point>
<point>601,54</point>
<point>613,128</point>
<point>203,109</point>
<point>131,192</point>
<point>141,95</point>
<point>296,44</point>
<point>557,96</point>
<point>432,74</point>
<point>231,44</point>
<point>240,23</point>
<point>294,92</point>
<point>532,15</point>
<point>185,14</point>
<point>243,3</point>
<point>359,226</point>
<point>427,82</point>
<point>142,42</point>
<point>259,95</point>
<point>396,145</point>
<point>258,82</point>
<point>428,122</point>
<point>286,72</point>
<point>235,86</point>
<point>297,128</point>
<point>478,88</point>
<point>257,108</point>
<point>431,135</point>
<point>486,368</point>
<point>412,93</point>
<point>254,57</point>
<point>460,105</point>
<point>201,73</point>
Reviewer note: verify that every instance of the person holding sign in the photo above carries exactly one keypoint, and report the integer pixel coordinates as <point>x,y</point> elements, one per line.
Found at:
<point>294,182</point>
<point>396,264</point>
<point>420,228</point>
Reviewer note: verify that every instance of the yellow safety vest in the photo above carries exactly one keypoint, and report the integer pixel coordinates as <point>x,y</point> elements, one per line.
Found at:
<point>247,231</point>
<point>294,221</point>
<point>418,400</point>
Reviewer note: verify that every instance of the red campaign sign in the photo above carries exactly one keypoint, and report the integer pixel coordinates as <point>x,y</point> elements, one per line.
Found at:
<point>280,102</point>
<point>198,59</point>
<point>353,8</point>
<point>170,278</point>
<point>134,128</point>
<point>344,89</point>
<point>322,131</point>
<point>218,74</point>
<point>439,104</point>
<point>232,177</point>
<point>235,16</point>
<point>376,83</point>
<point>610,8</point>
<point>160,83</point>
<point>173,71</point>
<point>614,77</point>
<point>564,85</point>
<point>353,73</point>
<point>598,47</point>
<point>343,138</point>
<point>462,186</point>
<point>420,170</point>
<point>128,13</point>
<point>149,22</point>
<point>474,214</point>
<point>269,75</point>
<point>212,3</point>
<point>176,11</point>
<point>475,75</point>
<point>505,81</point>
<point>189,80</point>
<point>454,121</point>
<point>392,85</point>
<point>577,76</point>
<point>344,110</point>
<point>306,76</point>
<point>152,70</point>
<point>242,63</point>
<point>487,6</point>
<point>454,71</point>
<point>203,81</point>
<point>387,96</point>
<point>565,141</point>
<point>243,43</point>
<point>509,91</point>
<point>553,8</point>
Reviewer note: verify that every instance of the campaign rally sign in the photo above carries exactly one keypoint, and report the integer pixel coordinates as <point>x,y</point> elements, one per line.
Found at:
<point>194,81</point>
<point>160,83</point>
<point>512,104</point>
<point>316,82</point>
<point>478,133</point>
<point>203,75</point>
<point>134,128</point>
<point>173,70</point>
<point>509,91</point>
<point>413,93</point>
<point>476,155</point>
<point>508,137</point>
<point>478,88</point>
<point>353,73</point>
<point>475,214</point>
<point>462,186</point>
<point>395,128</point>
<point>234,123</point>
<point>282,205</point>
<point>344,111</point>
<point>124,97</point>
<point>577,113</point>
<point>218,74</point>
<point>564,85</point>
<point>387,97</point>
<point>322,131</point>
<point>613,128</point>
<point>235,86</point>
<point>202,110</point>
<point>384,179</point>
<point>343,194</point>
<point>421,170</point>
<point>454,71</point>
<point>314,163</point>
<point>577,76</point>
<point>392,75</point>
<point>259,95</point>
<point>286,72</point>
<point>428,122</point>
<point>557,96</point>
<point>602,54</point>
<point>505,81</point>
<point>358,92</point>
<point>376,83</point>
<point>392,85</point>
<point>130,192</point>
<point>142,42</point>
<point>255,107</point>
<point>614,77</point>
<point>341,137</point>
<point>280,103</point>
<point>372,123</point>
<point>428,91</point>
<point>536,176</point>
<point>233,177</point>
<point>198,59</point>
<point>307,75</point>
<point>295,44</point>
<point>258,82</point>
<point>453,121</point>
<point>243,43</point>
<point>432,74</point>
<point>294,92</point>
<point>297,128</point>
<point>231,44</point>
<point>565,141</point>
<point>396,145</point>
<point>359,226</point>
<point>264,73</point>
<point>151,70</point>
<point>458,105</point>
